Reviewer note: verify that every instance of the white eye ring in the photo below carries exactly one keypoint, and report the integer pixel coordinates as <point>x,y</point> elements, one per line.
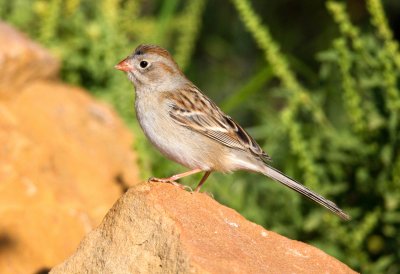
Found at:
<point>143,64</point>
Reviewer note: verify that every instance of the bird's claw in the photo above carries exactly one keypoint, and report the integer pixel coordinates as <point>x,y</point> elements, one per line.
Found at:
<point>169,181</point>
<point>158,180</point>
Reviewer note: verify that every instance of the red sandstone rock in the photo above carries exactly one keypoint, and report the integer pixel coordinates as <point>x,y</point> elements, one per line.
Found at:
<point>158,228</point>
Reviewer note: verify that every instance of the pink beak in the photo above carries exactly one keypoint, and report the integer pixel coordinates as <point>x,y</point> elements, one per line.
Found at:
<point>123,65</point>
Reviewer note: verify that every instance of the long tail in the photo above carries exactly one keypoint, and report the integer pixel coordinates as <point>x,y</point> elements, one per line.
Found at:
<point>282,178</point>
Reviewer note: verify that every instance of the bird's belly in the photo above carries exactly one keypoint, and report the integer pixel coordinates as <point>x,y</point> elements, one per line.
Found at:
<point>174,141</point>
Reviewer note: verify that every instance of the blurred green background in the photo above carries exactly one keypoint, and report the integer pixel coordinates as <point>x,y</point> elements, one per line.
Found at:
<point>315,82</point>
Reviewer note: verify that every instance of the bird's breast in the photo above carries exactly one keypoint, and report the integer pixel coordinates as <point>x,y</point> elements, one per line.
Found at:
<point>174,141</point>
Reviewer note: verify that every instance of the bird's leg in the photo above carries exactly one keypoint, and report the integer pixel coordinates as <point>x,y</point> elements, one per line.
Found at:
<point>173,178</point>
<point>202,181</point>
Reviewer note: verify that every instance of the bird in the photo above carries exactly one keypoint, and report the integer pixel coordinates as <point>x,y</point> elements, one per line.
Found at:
<point>189,128</point>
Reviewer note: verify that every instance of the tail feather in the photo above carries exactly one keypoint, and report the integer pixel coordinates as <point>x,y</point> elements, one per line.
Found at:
<point>285,180</point>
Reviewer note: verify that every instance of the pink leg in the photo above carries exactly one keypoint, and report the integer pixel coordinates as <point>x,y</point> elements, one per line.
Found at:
<point>202,181</point>
<point>173,178</point>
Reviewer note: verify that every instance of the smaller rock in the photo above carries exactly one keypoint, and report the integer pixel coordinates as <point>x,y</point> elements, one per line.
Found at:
<point>63,159</point>
<point>158,228</point>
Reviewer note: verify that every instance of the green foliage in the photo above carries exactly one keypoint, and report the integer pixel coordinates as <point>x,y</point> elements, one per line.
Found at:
<point>334,127</point>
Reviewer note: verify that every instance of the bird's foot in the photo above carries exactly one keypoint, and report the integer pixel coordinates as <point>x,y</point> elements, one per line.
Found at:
<point>169,181</point>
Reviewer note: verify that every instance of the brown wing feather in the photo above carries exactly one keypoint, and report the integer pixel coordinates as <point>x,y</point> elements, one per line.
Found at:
<point>195,111</point>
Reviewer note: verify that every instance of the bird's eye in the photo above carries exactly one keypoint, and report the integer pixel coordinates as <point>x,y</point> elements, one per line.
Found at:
<point>143,64</point>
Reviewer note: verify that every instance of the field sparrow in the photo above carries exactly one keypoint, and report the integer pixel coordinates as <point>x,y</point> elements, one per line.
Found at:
<point>189,128</point>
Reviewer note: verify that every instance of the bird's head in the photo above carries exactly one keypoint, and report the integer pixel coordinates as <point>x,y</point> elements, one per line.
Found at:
<point>151,67</point>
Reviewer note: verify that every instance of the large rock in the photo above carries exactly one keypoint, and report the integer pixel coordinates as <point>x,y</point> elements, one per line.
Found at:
<point>158,228</point>
<point>64,159</point>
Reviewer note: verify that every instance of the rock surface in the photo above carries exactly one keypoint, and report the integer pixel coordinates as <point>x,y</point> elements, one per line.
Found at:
<point>63,158</point>
<point>158,228</point>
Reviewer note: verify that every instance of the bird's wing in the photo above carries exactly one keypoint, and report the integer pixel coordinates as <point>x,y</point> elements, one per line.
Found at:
<point>193,110</point>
